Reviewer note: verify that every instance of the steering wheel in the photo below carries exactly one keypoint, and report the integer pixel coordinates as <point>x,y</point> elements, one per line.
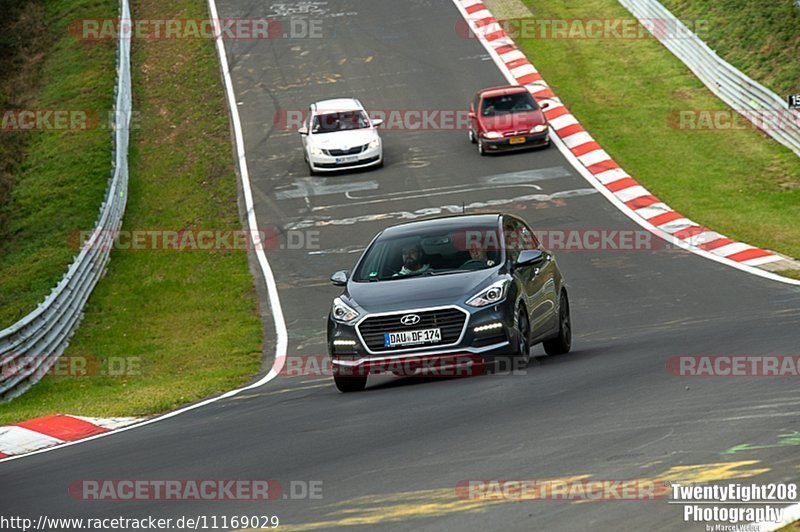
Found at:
<point>474,262</point>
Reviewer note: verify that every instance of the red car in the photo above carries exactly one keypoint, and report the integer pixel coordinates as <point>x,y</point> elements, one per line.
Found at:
<point>507,118</point>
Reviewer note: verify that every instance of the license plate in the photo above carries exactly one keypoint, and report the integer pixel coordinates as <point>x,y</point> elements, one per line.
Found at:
<point>422,336</point>
<point>348,159</point>
<point>516,140</point>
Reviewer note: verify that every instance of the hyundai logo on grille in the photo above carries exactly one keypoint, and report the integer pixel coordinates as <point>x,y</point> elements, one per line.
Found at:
<point>410,319</point>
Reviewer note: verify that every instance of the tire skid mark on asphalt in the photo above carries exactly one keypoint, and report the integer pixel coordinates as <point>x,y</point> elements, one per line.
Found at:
<point>422,193</point>
<point>645,424</point>
<point>338,251</point>
<point>771,405</point>
<point>281,391</point>
<point>522,179</point>
<point>756,416</point>
<point>444,209</point>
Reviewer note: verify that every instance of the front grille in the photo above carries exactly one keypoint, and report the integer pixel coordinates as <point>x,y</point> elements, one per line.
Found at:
<point>352,151</point>
<point>345,165</point>
<point>517,133</point>
<point>449,320</point>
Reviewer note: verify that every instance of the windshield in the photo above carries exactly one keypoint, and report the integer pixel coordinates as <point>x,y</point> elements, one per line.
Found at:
<point>521,102</point>
<point>340,121</point>
<point>439,252</point>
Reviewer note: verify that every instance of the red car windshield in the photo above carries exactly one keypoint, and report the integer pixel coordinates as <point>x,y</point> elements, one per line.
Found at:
<point>520,102</point>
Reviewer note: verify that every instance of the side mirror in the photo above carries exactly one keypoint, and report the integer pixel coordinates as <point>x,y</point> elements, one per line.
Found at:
<point>545,105</point>
<point>340,278</point>
<point>471,114</point>
<point>303,130</point>
<point>529,257</point>
<point>377,122</point>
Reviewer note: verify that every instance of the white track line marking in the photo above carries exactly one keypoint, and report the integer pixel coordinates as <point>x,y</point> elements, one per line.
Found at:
<point>274,300</point>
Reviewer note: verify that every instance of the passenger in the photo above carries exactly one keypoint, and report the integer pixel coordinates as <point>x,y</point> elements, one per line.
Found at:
<point>478,258</point>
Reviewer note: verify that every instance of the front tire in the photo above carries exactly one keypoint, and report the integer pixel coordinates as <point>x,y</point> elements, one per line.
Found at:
<point>481,149</point>
<point>523,350</point>
<point>350,383</point>
<point>562,343</point>
<point>472,136</point>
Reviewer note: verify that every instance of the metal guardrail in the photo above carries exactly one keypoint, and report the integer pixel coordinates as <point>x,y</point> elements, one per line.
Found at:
<point>744,95</point>
<point>29,347</point>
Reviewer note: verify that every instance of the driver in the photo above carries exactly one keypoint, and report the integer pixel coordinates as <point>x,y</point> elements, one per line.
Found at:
<point>412,261</point>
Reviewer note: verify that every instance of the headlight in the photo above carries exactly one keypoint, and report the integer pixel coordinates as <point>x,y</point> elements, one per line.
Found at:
<point>495,293</point>
<point>313,150</point>
<point>374,144</point>
<point>539,128</point>
<point>344,343</point>
<point>342,312</point>
<point>488,327</point>
<point>493,135</point>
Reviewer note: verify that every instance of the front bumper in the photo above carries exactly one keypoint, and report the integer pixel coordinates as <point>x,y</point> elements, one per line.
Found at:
<point>330,163</point>
<point>468,356</point>
<point>531,141</point>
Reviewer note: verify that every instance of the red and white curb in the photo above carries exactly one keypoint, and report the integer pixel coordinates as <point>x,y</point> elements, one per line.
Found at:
<point>42,432</point>
<point>602,171</point>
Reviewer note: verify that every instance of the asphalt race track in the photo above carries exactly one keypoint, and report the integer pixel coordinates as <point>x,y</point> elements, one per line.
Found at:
<point>391,457</point>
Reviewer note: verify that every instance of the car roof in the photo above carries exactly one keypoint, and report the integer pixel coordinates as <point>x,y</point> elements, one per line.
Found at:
<point>337,104</point>
<point>502,91</point>
<point>456,221</point>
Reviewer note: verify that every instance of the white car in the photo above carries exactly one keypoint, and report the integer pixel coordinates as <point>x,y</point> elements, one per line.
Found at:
<point>338,134</point>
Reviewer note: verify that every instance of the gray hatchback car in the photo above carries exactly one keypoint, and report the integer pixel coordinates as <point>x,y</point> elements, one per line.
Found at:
<point>446,291</point>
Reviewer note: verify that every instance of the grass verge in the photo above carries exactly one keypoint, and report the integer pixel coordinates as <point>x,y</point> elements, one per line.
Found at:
<point>794,274</point>
<point>626,92</point>
<point>758,38</point>
<point>171,326</point>
<point>51,181</point>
